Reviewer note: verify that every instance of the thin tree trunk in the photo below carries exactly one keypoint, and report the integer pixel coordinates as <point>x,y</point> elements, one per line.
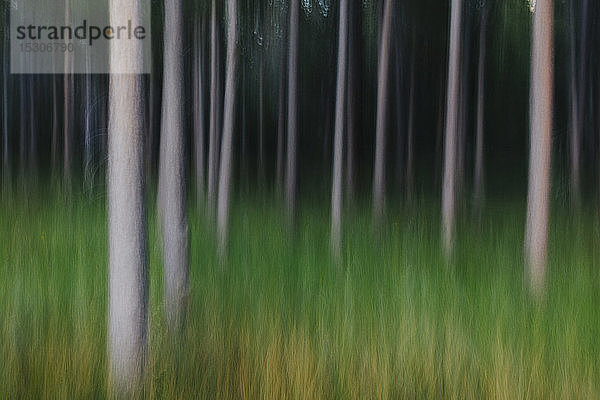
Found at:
<point>452,99</point>
<point>228,127</point>
<point>212,145</point>
<point>32,128</point>
<point>261,119</point>
<point>172,165</point>
<point>128,250</point>
<point>291,170</point>
<point>68,111</point>
<point>541,103</point>
<point>338,148</point>
<point>5,142</point>
<point>88,170</point>
<point>23,129</point>
<point>479,139</point>
<point>199,117</point>
<point>410,130</point>
<point>281,121</point>
<point>574,122</point>
<point>380,140</point>
<point>55,124</point>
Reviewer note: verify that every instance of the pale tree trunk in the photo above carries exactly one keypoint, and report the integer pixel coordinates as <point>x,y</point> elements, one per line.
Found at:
<point>574,115</point>
<point>172,166</point>
<point>213,139</point>
<point>199,117</point>
<point>338,147</point>
<point>128,253</point>
<point>479,138</point>
<point>380,145</point>
<point>452,100</point>
<point>228,127</point>
<point>541,103</point>
<point>291,170</point>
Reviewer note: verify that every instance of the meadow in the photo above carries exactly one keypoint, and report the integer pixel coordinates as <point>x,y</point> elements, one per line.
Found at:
<point>280,319</point>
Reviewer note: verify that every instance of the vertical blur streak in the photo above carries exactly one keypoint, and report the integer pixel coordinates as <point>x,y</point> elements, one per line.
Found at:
<point>338,149</point>
<point>128,252</point>
<point>380,146</point>
<point>5,66</point>
<point>228,127</point>
<point>172,170</point>
<point>212,144</point>
<point>292,112</point>
<point>574,122</point>
<point>541,102</point>
<point>479,139</point>
<point>452,101</point>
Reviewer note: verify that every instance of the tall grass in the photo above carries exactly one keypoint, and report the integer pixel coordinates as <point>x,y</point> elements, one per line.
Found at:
<point>281,320</point>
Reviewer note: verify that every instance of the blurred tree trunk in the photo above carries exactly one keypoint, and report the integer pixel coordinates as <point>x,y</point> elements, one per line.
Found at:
<point>6,178</point>
<point>281,120</point>
<point>261,99</point>
<point>291,170</point>
<point>351,108</point>
<point>199,115</point>
<point>150,124</point>
<point>382,97</point>
<point>88,149</point>
<point>541,103</point>
<point>574,115</point>
<point>55,125</point>
<point>128,250</point>
<point>172,165</point>
<point>67,112</point>
<point>479,134</point>
<point>338,148</point>
<point>411,122</point>
<point>464,105</point>
<point>450,141</point>
<point>228,127</point>
<point>23,129</point>
<point>32,128</point>
<point>213,140</point>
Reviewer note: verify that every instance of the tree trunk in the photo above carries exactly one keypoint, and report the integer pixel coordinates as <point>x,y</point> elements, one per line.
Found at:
<point>574,115</point>
<point>199,117</point>
<point>172,165</point>
<point>410,130</point>
<point>128,252</point>
<point>338,147</point>
<point>291,170</point>
<point>5,142</point>
<point>88,170</point>
<point>452,100</point>
<point>281,121</point>
<point>213,144</point>
<point>541,103</point>
<point>68,112</point>
<point>228,127</point>
<point>479,140</point>
<point>380,146</point>
<point>55,124</point>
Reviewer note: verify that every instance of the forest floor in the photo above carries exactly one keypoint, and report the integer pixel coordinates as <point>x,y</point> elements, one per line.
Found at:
<point>281,320</point>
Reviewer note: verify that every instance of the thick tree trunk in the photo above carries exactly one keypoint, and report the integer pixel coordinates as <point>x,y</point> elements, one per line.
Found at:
<point>452,100</point>
<point>199,117</point>
<point>128,254</point>
<point>380,140</point>
<point>214,106</point>
<point>172,165</point>
<point>479,139</point>
<point>338,147</point>
<point>291,170</point>
<point>228,127</point>
<point>541,103</point>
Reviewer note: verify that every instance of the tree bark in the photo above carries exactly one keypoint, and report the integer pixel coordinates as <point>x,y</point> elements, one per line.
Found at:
<point>338,147</point>
<point>380,140</point>
<point>228,127</point>
<point>541,103</point>
<point>452,100</point>
<point>172,165</point>
<point>291,170</point>
<point>128,252</point>
<point>479,134</point>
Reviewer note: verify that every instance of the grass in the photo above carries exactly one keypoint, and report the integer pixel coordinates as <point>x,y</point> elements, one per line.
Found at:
<point>282,321</point>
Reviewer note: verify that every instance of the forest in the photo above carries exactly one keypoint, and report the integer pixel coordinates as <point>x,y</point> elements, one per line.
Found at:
<point>301,199</point>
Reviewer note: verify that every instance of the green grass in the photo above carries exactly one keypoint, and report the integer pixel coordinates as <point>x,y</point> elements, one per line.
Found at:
<point>280,320</point>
